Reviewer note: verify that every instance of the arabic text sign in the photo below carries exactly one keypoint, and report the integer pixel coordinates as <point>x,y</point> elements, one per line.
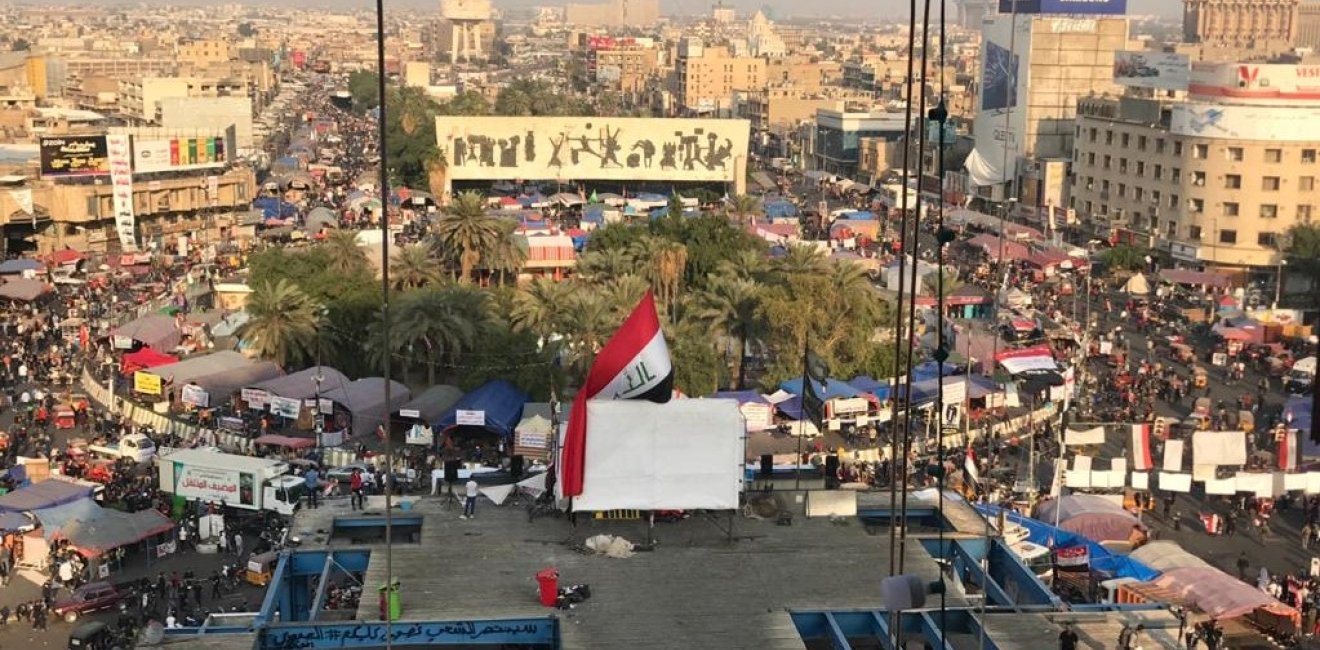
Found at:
<point>74,156</point>
<point>470,418</point>
<point>146,383</point>
<point>255,398</point>
<point>626,149</point>
<point>285,407</point>
<point>206,483</point>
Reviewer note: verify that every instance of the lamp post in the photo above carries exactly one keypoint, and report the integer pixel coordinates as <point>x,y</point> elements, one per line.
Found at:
<point>1278,281</point>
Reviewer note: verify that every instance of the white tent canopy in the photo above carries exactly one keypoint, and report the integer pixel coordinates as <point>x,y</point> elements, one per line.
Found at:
<point>1137,285</point>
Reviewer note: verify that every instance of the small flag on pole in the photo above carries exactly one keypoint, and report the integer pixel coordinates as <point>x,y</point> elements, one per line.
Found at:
<point>1141,461</point>
<point>1289,450</point>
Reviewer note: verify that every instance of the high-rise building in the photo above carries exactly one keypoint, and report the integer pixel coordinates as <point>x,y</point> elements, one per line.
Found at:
<point>1308,25</point>
<point>709,76</point>
<point>971,13</point>
<point>1253,24</point>
<point>466,22</point>
<point>1033,70</point>
<point>613,13</point>
<point>722,13</point>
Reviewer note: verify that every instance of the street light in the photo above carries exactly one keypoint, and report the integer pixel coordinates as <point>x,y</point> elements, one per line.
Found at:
<point>1278,281</point>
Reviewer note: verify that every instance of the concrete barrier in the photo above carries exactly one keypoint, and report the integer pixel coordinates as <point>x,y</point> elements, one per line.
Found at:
<point>831,503</point>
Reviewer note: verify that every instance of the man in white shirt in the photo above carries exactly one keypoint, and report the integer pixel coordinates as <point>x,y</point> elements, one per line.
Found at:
<point>470,502</point>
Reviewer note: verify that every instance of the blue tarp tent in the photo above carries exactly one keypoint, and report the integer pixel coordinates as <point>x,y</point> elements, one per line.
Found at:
<point>273,208</point>
<point>55,517</point>
<point>1299,408</point>
<point>791,408</point>
<point>867,384</point>
<point>14,267</point>
<point>858,216</point>
<point>499,402</point>
<point>779,209</point>
<point>11,522</point>
<point>831,389</point>
<point>933,369</point>
<point>46,494</point>
<point>594,214</point>
<point>1102,559</point>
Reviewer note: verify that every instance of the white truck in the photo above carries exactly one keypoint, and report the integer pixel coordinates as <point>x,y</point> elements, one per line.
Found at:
<point>1301,377</point>
<point>135,446</point>
<point>239,482</point>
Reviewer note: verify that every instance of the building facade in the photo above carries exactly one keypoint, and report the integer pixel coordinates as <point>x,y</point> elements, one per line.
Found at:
<point>708,77</point>
<point>839,137</point>
<point>1213,184</point>
<point>1241,24</point>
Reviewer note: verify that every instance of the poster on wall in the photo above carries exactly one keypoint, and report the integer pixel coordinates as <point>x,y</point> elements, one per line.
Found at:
<point>120,154</point>
<point>285,407</point>
<point>79,155</point>
<point>172,154</point>
<point>195,395</point>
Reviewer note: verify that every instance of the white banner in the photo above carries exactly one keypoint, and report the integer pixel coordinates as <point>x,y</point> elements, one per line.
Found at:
<point>1262,484</point>
<point>419,434</point>
<point>1173,482</point>
<point>1173,455</point>
<point>120,157</point>
<point>283,406</point>
<point>1221,486</point>
<point>1080,474</point>
<point>1093,436</point>
<point>1140,480</point>
<point>209,483</point>
<point>470,418</point>
<point>1313,482</point>
<point>23,198</point>
<point>255,398</point>
<point>1219,448</point>
<point>195,395</point>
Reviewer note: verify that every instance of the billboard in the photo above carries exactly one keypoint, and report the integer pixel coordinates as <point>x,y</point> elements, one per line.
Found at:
<point>1264,123</point>
<point>74,155</point>
<point>1161,70</point>
<point>210,484</point>
<point>1001,124</point>
<point>1256,83</point>
<point>999,78</point>
<point>171,154</point>
<point>593,148</point>
<point>119,152</point>
<point>1089,7</point>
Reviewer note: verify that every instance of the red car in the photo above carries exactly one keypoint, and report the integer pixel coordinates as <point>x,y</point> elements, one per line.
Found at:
<point>91,597</point>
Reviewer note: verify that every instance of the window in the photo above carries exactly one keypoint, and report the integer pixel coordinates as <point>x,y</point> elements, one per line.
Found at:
<point>1173,200</point>
<point>1195,205</point>
<point>1092,134</point>
<point>1122,165</point>
<point>1231,209</point>
<point>1088,209</point>
<point>1198,178</point>
<point>1304,213</point>
<point>1306,183</point>
<point>1090,158</point>
<point>1177,148</point>
<point>1122,190</point>
<point>1141,168</point>
<point>1274,155</point>
<point>1108,159</point>
<point>1268,211</point>
<point>1228,236</point>
<point>1177,174</point>
<point>1090,182</point>
<point>1234,154</point>
<point>1201,151</point>
<point>1194,233</point>
<point>1232,182</point>
<point>1270,183</point>
<point>1155,197</point>
<point>1126,140</point>
<point>1308,156</point>
<point>1172,230</point>
<point>1141,142</point>
<point>1267,240</point>
<point>1137,193</point>
<point>1109,137</point>
<point>1159,172</point>
<point>1104,187</point>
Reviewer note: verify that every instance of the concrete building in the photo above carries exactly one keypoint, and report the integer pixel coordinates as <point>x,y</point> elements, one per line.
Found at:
<point>417,74</point>
<point>1213,181</point>
<point>204,51</point>
<point>466,30</point>
<point>118,68</point>
<point>1256,25</point>
<point>707,77</point>
<point>722,13</point>
<point>1308,25</point>
<point>625,67</point>
<point>839,136</point>
<point>185,113</point>
<point>762,39</point>
<point>805,73</point>
<point>1033,70</point>
<point>613,13</point>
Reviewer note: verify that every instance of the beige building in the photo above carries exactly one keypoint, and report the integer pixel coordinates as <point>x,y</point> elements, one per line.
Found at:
<point>119,68</point>
<point>1241,24</point>
<point>626,68</point>
<point>140,99</point>
<point>1308,25</point>
<point>805,73</point>
<point>613,13</point>
<point>205,51</point>
<point>782,109</point>
<point>1212,184</point>
<point>707,77</point>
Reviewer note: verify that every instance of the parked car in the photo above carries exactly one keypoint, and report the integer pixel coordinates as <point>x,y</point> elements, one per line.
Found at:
<point>91,597</point>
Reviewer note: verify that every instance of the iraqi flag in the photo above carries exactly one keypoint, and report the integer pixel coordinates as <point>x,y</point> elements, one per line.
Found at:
<point>634,364</point>
<point>1141,461</point>
<point>1289,450</point>
<point>970,470</point>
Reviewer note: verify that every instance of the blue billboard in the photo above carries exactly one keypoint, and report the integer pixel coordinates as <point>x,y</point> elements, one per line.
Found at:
<point>1092,7</point>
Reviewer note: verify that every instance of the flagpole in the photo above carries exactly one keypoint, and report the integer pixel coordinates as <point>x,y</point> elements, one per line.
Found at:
<point>797,463</point>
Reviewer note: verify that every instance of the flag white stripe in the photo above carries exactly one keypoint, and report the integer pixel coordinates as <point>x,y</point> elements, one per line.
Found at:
<point>644,372</point>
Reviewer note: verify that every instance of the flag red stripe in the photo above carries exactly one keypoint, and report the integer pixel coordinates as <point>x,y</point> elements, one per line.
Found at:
<point>619,351</point>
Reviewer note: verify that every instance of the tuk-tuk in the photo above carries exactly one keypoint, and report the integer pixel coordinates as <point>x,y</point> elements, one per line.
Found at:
<point>259,568</point>
<point>94,635</point>
<point>1181,352</point>
<point>1200,378</point>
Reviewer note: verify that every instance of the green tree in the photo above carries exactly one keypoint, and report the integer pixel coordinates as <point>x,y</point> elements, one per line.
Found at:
<point>282,323</point>
<point>589,320</point>
<point>431,325</point>
<point>467,232</point>
<point>364,86</point>
<point>345,255</point>
<point>802,259</point>
<point>414,266</point>
<point>731,307</point>
<point>931,283</point>
<point>1303,255</point>
<point>1129,258</point>
<point>20,45</point>
<point>410,141</point>
<point>699,369</point>
<point>469,103</point>
<point>743,209</point>
<point>246,30</point>
<point>599,265</point>
<point>508,253</point>
<point>536,307</point>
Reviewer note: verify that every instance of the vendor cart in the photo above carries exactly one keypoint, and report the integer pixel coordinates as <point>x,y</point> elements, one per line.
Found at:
<point>1181,352</point>
<point>260,567</point>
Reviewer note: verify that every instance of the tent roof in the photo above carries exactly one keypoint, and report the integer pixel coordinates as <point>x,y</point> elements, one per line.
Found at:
<point>1215,592</point>
<point>500,401</point>
<point>365,399</point>
<point>111,529</point>
<point>1164,555</point>
<point>831,389</point>
<point>218,373</point>
<point>1102,559</point>
<point>434,401</point>
<point>1137,285</point>
<point>743,396</point>
<point>14,521</point>
<point>54,518</point>
<point>25,289</point>
<point>18,266</point>
<point>302,384</point>
<point>284,441</point>
<point>146,358</point>
<point>1089,515</point>
<point>155,330</point>
<point>52,492</point>
<point>1187,276</point>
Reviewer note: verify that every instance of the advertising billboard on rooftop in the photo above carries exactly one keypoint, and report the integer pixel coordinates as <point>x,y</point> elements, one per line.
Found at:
<point>1089,7</point>
<point>1162,70</point>
<point>74,155</point>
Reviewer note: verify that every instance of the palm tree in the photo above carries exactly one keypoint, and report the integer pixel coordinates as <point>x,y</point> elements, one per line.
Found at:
<point>346,256</point>
<point>743,208</point>
<point>802,259</point>
<point>931,283</point>
<point>622,294</point>
<point>467,231</point>
<point>414,266</point>
<point>509,252</point>
<point>282,323</point>
<point>589,319</point>
<point>537,308</point>
<point>661,262</point>
<point>731,307</point>
<point>747,264</point>
<point>602,265</point>
<point>435,323</point>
